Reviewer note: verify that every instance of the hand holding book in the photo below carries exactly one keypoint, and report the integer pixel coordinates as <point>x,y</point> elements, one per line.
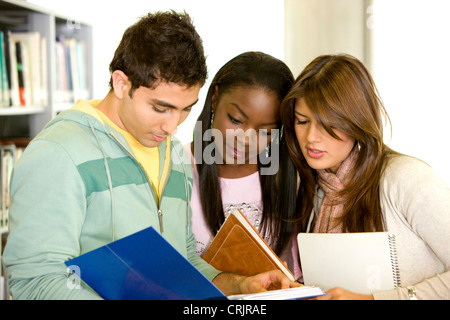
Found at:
<point>232,284</point>
<point>239,248</point>
<point>363,263</point>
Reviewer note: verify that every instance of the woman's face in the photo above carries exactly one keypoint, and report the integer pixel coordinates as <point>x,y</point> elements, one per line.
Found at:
<point>319,148</point>
<point>245,116</point>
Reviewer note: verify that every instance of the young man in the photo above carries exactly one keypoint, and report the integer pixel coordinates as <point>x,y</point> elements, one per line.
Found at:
<point>106,169</point>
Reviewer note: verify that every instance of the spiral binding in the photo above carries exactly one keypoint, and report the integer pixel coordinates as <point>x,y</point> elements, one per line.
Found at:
<point>394,260</point>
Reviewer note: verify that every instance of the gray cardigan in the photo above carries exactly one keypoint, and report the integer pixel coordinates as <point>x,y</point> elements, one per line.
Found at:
<point>415,201</point>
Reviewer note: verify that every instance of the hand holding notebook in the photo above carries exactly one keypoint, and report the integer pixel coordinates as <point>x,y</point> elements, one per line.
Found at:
<point>359,262</point>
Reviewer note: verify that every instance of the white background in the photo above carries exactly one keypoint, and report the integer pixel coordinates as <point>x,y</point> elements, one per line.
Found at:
<point>412,71</point>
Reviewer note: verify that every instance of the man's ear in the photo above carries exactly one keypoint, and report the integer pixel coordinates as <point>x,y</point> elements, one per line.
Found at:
<point>120,82</point>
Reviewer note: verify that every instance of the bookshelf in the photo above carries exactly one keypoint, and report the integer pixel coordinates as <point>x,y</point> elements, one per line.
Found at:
<point>48,80</point>
<point>21,16</point>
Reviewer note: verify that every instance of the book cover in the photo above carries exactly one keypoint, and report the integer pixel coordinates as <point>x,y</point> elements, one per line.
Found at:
<point>7,159</point>
<point>5,99</point>
<point>44,72</point>
<point>359,262</point>
<point>14,80</point>
<point>83,92</point>
<point>62,86</point>
<point>20,73</point>
<point>143,266</point>
<point>239,248</point>
<point>31,62</point>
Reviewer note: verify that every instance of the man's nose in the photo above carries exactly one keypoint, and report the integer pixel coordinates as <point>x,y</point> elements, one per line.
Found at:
<point>170,125</point>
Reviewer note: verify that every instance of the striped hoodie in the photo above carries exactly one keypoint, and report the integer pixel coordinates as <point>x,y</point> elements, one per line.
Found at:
<point>77,187</point>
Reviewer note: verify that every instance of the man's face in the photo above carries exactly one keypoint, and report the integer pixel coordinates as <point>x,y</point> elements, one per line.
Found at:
<point>150,115</point>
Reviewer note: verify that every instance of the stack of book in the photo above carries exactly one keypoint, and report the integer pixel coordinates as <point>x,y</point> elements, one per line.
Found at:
<point>24,69</point>
<point>23,57</point>
<point>71,81</point>
<point>7,159</point>
<point>10,151</point>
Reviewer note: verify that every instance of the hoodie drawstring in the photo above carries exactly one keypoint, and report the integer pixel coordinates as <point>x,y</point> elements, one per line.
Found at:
<point>188,185</point>
<point>108,174</point>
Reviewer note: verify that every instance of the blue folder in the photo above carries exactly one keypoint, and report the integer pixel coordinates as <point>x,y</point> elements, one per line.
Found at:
<point>143,266</point>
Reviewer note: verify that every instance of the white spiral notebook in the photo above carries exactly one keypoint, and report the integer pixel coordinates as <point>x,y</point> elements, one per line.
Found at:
<point>359,262</point>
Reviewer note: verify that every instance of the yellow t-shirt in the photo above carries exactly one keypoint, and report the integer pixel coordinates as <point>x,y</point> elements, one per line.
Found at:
<point>147,157</point>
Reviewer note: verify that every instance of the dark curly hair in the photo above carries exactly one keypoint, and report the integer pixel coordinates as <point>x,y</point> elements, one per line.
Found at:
<point>161,46</point>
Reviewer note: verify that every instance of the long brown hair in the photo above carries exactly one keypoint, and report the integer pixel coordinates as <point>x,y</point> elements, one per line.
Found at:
<point>340,92</point>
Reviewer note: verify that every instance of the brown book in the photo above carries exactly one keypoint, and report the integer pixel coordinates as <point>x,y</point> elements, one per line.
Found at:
<point>239,248</point>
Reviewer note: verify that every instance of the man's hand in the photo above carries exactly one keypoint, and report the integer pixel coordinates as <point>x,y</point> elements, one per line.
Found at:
<point>230,283</point>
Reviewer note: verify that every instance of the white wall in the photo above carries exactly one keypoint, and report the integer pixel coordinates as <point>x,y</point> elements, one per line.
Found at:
<point>227,28</point>
<point>411,66</point>
<point>316,27</point>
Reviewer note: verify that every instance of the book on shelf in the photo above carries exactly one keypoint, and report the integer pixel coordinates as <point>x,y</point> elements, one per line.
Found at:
<point>5,97</point>
<point>10,151</point>
<point>13,73</point>
<point>44,72</point>
<point>35,54</point>
<point>22,72</point>
<point>7,160</point>
<point>239,248</point>
<point>363,263</point>
<point>28,74</point>
<point>71,81</point>
<point>144,265</point>
<point>27,71</point>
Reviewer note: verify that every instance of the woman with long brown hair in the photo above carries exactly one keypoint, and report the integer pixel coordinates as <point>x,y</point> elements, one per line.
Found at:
<point>351,181</point>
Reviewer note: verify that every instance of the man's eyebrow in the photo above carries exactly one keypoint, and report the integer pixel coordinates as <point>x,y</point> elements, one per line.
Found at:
<point>165,104</point>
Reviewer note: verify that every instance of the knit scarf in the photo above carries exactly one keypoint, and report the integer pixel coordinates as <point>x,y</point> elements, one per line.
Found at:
<point>333,205</point>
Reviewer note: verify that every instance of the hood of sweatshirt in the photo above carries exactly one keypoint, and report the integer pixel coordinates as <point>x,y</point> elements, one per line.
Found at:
<point>85,114</point>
